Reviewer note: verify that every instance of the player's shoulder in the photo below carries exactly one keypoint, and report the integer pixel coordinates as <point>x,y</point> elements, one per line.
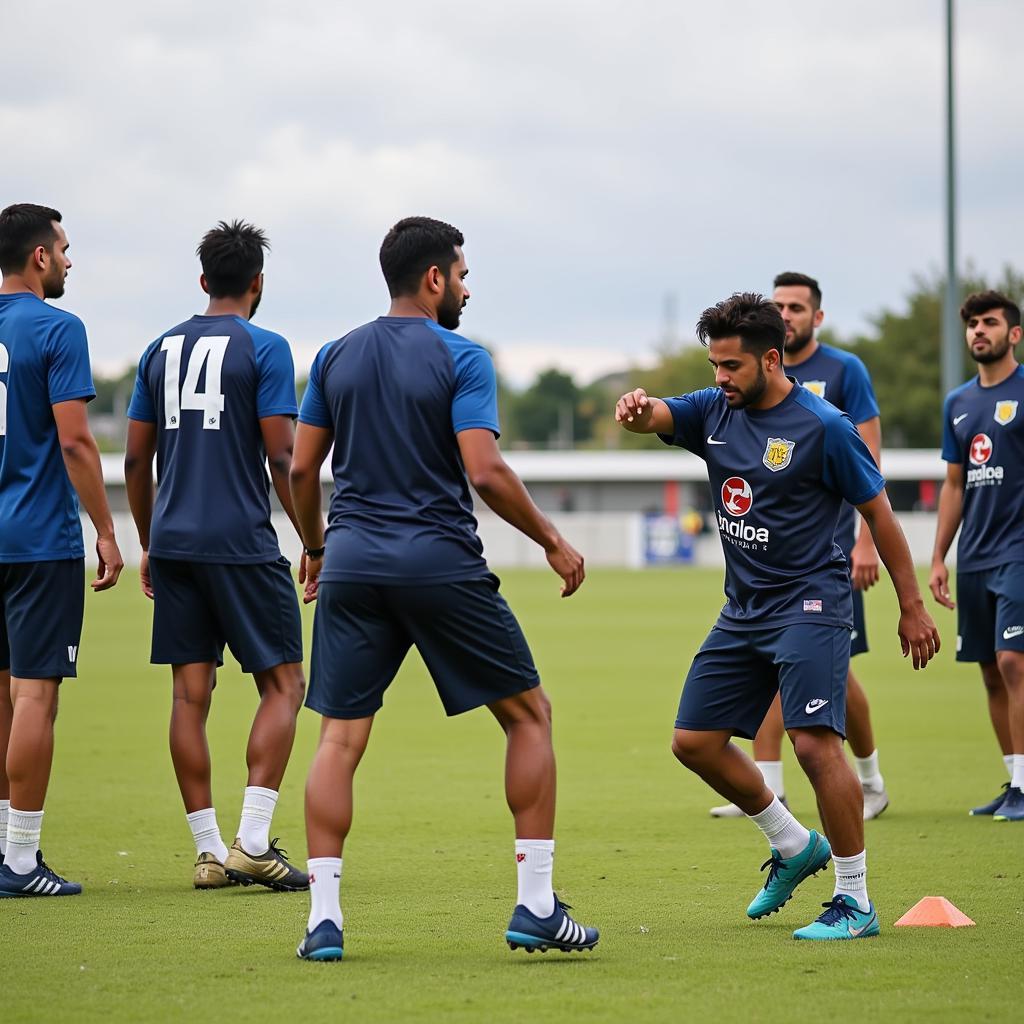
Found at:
<point>820,409</point>
<point>968,389</point>
<point>42,316</point>
<point>842,356</point>
<point>456,342</point>
<point>263,337</point>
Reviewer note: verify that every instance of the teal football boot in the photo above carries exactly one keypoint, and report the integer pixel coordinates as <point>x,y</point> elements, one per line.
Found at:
<point>842,919</point>
<point>784,875</point>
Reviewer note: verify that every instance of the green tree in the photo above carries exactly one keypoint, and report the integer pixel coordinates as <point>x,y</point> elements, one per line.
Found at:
<point>903,354</point>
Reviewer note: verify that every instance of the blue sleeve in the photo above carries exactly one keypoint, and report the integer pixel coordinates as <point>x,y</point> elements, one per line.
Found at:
<point>141,406</point>
<point>314,407</point>
<point>950,446</point>
<point>689,413</point>
<point>275,394</point>
<point>847,465</point>
<point>475,401</point>
<point>68,374</point>
<point>859,402</point>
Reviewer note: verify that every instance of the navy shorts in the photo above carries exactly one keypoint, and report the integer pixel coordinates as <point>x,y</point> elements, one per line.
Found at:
<point>465,632</point>
<point>41,608</point>
<point>736,674</point>
<point>200,606</point>
<point>859,636</point>
<point>990,612</point>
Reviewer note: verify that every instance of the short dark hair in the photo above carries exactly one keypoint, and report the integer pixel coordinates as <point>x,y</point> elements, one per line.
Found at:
<point>231,256</point>
<point>793,279</point>
<point>751,317</point>
<point>412,247</point>
<point>23,228</point>
<point>985,302</point>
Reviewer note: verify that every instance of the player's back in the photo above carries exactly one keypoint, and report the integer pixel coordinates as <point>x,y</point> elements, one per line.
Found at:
<point>206,384</point>
<point>395,392</point>
<point>44,360</point>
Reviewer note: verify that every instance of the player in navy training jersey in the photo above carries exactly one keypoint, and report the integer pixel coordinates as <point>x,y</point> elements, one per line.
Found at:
<point>47,457</point>
<point>983,445</point>
<point>842,379</point>
<point>215,402</point>
<point>781,461</point>
<point>410,409</point>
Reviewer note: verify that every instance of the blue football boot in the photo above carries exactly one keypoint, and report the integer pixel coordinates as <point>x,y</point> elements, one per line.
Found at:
<point>325,942</point>
<point>40,882</point>
<point>784,875</point>
<point>842,919</point>
<point>993,805</point>
<point>1012,807</point>
<point>559,931</point>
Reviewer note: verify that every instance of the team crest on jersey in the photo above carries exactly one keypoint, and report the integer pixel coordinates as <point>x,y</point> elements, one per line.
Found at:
<point>778,453</point>
<point>1006,412</point>
<point>816,387</point>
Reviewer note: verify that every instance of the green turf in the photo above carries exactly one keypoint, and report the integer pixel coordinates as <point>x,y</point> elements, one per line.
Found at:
<point>429,873</point>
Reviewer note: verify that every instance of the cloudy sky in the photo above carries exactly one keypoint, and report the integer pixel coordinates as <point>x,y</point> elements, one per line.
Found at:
<point>598,155</point>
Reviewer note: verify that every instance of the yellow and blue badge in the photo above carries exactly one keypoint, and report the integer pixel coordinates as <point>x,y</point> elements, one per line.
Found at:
<point>1006,412</point>
<point>816,387</point>
<point>778,453</point>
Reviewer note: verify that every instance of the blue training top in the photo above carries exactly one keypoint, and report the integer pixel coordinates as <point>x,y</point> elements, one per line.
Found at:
<point>842,379</point>
<point>983,429</point>
<point>207,383</point>
<point>44,360</point>
<point>394,393</point>
<point>778,479</point>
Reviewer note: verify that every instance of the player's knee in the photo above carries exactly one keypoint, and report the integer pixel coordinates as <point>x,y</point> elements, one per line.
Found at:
<point>815,752</point>
<point>689,748</point>
<point>1011,668</point>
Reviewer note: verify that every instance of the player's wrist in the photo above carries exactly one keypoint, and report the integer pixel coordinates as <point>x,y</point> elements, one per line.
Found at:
<point>314,551</point>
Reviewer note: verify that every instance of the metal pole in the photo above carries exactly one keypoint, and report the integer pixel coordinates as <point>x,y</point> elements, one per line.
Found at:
<point>952,332</point>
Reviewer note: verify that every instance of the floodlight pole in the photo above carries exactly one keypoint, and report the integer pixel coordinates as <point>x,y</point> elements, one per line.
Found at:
<point>952,334</point>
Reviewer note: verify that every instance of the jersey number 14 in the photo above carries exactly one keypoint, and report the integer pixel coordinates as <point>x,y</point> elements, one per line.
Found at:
<point>208,352</point>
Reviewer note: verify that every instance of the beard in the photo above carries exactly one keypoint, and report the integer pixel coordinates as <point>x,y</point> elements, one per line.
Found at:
<point>53,285</point>
<point>256,303</point>
<point>743,397</point>
<point>799,341</point>
<point>995,352</point>
<point>449,313</point>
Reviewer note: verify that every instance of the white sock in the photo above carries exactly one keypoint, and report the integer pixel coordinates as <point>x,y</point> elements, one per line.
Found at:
<point>1017,781</point>
<point>783,832</point>
<point>534,864</point>
<point>324,891</point>
<point>5,806</point>
<point>772,772</point>
<point>868,773</point>
<point>23,828</point>
<point>852,878</point>
<point>206,833</point>
<point>1008,761</point>
<point>257,813</point>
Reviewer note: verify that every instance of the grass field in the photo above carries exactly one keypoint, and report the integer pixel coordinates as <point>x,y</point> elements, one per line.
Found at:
<point>429,876</point>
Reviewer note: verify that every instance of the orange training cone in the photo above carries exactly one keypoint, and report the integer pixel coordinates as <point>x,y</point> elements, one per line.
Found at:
<point>934,912</point>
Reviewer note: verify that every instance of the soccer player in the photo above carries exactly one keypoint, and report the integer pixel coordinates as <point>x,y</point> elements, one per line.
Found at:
<point>842,379</point>
<point>983,445</point>
<point>215,402</point>
<point>410,408</point>
<point>47,456</point>
<point>781,461</point>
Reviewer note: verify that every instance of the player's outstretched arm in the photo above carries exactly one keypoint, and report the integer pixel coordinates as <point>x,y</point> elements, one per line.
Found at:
<point>951,499</point>
<point>311,447</point>
<point>139,451</point>
<point>504,493</point>
<point>917,632</point>
<point>638,413</point>
<point>82,459</point>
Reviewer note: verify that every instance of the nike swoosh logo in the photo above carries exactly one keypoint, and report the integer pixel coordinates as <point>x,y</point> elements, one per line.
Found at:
<point>1009,634</point>
<point>857,932</point>
<point>711,440</point>
<point>957,419</point>
<point>814,705</point>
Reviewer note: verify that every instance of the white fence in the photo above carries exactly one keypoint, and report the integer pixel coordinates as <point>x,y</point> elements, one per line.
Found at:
<point>606,539</point>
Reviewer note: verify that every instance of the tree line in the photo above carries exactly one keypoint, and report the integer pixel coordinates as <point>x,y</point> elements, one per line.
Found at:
<point>901,350</point>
